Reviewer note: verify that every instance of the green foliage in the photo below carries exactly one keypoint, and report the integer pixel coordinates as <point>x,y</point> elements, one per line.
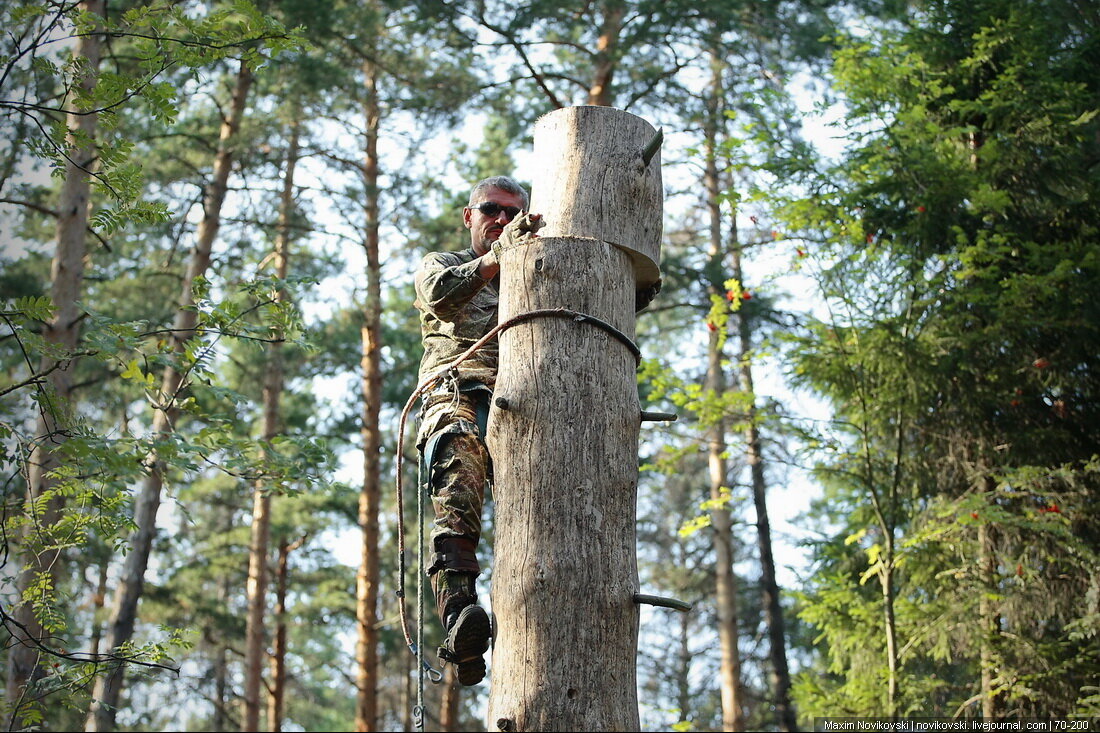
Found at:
<point>98,472</point>
<point>159,36</point>
<point>953,348</point>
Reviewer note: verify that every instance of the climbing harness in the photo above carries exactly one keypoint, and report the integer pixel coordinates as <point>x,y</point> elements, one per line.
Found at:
<point>450,372</point>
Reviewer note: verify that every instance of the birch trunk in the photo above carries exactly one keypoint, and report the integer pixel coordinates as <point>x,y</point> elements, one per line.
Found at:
<point>63,330</point>
<point>563,434</point>
<point>108,687</point>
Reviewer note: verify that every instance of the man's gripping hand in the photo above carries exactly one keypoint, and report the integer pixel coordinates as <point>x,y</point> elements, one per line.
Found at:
<point>521,230</point>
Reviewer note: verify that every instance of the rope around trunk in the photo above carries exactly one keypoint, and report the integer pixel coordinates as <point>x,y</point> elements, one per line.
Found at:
<point>429,382</point>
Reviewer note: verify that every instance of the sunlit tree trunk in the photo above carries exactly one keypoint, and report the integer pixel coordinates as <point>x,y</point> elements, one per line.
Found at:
<point>256,627</point>
<point>108,688</point>
<point>563,434</point>
<point>367,578</point>
<point>600,90</point>
<point>729,673</point>
<point>452,699</point>
<point>63,331</point>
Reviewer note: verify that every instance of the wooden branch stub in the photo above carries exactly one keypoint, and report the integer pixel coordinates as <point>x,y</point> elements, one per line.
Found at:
<point>664,602</point>
<point>652,147</point>
<point>651,416</point>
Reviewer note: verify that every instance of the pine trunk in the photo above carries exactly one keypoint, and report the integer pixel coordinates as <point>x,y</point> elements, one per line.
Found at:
<point>63,330</point>
<point>452,698</point>
<point>108,688</point>
<point>277,698</point>
<point>989,621</point>
<point>729,673</point>
<point>769,585</point>
<point>255,650</point>
<point>606,56</point>
<point>563,434</point>
<point>370,497</point>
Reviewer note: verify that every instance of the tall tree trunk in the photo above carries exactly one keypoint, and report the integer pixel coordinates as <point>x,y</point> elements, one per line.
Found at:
<point>452,698</point>
<point>891,629</point>
<point>769,586</point>
<point>63,330</point>
<point>108,688</point>
<point>222,718</point>
<point>989,621</point>
<point>729,674</point>
<point>563,434</point>
<point>276,699</point>
<point>683,671</point>
<point>606,56</point>
<point>255,628</point>
<point>368,576</point>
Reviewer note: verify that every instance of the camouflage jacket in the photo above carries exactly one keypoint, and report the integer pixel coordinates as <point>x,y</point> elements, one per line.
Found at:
<point>457,307</point>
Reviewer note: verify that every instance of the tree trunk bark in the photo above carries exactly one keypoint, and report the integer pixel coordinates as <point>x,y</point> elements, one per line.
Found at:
<point>452,698</point>
<point>990,623</point>
<point>63,330</point>
<point>108,688</point>
<point>729,674</point>
<point>255,628</point>
<point>606,59</point>
<point>370,497</point>
<point>276,700</point>
<point>769,586</point>
<point>563,434</point>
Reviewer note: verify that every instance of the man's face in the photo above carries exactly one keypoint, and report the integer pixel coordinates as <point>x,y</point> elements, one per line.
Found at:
<point>486,228</point>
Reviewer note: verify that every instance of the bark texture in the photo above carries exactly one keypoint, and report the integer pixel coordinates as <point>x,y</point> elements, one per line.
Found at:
<point>55,411</point>
<point>563,433</point>
<point>598,185</point>
<point>368,576</point>
<point>565,460</point>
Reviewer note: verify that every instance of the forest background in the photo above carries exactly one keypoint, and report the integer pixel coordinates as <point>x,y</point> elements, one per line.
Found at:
<point>210,217</point>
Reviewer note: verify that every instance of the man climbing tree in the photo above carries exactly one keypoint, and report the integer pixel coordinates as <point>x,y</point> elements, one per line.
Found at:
<point>457,295</point>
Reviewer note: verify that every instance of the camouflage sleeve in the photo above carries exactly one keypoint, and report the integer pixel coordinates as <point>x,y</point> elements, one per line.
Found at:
<point>444,284</point>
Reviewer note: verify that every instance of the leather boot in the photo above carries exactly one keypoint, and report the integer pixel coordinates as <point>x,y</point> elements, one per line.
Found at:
<point>466,623</point>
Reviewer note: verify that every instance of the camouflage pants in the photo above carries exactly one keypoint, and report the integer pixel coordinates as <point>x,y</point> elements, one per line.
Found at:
<point>455,470</point>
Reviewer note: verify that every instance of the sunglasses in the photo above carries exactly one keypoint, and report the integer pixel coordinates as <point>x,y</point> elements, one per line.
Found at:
<point>490,208</point>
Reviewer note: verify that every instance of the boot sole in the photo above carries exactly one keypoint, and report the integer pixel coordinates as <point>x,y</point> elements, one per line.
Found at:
<point>469,639</point>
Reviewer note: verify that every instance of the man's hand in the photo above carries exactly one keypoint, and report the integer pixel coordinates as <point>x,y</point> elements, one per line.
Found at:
<point>517,232</point>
